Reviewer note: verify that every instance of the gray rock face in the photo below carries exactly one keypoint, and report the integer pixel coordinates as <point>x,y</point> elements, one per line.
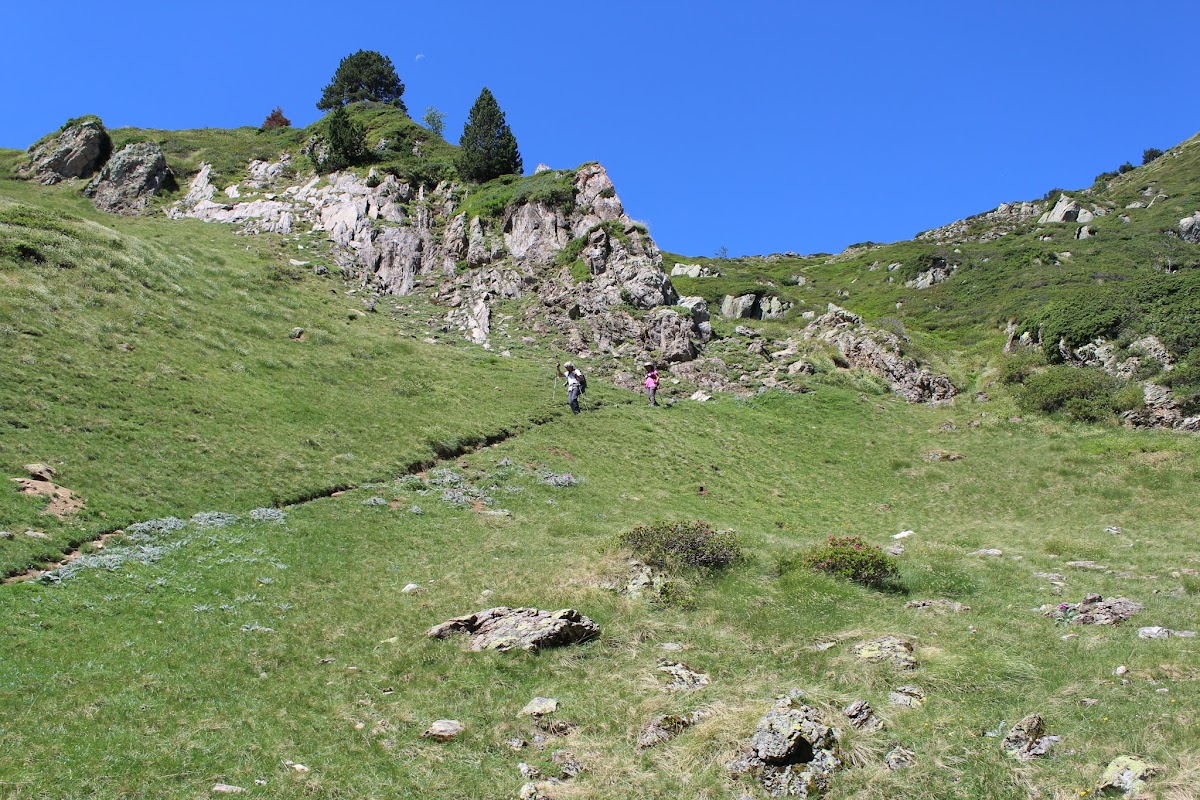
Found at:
<point>683,677</point>
<point>1094,610</point>
<point>1027,739</point>
<point>1125,774</point>
<point>740,307</point>
<point>1189,228</point>
<point>530,629</point>
<point>129,179</point>
<point>792,753</point>
<point>668,726</point>
<point>862,716</point>
<point>878,352</point>
<point>990,225</point>
<point>1160,410</point>
<point>931,277</point>
<point>77,152</point>
<point>1066,210</point>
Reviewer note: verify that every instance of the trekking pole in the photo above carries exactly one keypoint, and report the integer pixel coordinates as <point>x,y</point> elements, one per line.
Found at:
<point>554,391</point>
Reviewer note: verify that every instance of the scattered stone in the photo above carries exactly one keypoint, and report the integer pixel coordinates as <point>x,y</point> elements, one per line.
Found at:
<point>516,743</point>
<point>1053,577</point>
<point>862,716</point>
<point>1027,739</point>
<point>1089,702</point>
<point>444,730</point>
<point>297,333</point>
<point>903,534</point>
<point>6,535</point>
<point>896,550</point>
<point>1085,565</point>
<point>568,765</point>
<point>939,605</point>
<point>541,790</point>
<point>683,677</point>
<point>411,588</point>
<point>1125,774</point>
<point>643,581</point>
<point>700,397</point>
<point>1157,632</point>
<point>668,726</point>
<point>529,629</point>
<point>898,758</point>
<point>888,648</point>
<point>558,727</point>
<point>906,696</point>
<point>991,552</point>
<point>1121,670</point>
<point>225,788</point>
<point>530,772</point>
<point>792,753</point>
<point>934,456</point>
<point>671,647</point>
<point>1112,529</point>
<point>37,534</point>
<point>1093,610</point>
<point>540,706</point>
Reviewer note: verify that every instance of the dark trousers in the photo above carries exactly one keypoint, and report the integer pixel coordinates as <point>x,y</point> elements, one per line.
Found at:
<point>573,399</point>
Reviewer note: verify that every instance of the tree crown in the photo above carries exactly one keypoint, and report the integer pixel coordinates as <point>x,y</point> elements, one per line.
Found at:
<point>488,148</point>
<point>365,75</point>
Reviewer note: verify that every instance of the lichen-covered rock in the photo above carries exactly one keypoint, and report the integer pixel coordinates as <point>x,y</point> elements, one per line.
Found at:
<point>668,726</point>
<point>77,152</point>
<point>907,696</point>
<point>1028,739</point>
<point>862,716</point>
<point>792,753</point>
<point>131,177</point>
<point>683,677</point>
<point>898,758</point>
<point>893,649</point>
<point>1125,774</point>
<point>530,629</point>
<point>444,730</point>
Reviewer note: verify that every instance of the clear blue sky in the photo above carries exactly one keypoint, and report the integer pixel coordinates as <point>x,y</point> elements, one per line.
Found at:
<point>753,125</point>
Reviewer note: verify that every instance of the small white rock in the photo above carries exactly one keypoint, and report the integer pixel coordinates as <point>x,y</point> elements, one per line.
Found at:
<point>903,534</point>
<point>444,730</point>
<point>410,589</point>
<point>225,788</point>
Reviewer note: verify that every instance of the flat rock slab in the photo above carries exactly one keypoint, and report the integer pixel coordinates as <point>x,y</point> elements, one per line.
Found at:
<point>950,606</point>
<point>540,706</point>
<point>1157,632</point>
<point>1094,610</point>
<point>888,648</point>
<point>907,696</point>
<point>529,629</point>
<point>444,730</point>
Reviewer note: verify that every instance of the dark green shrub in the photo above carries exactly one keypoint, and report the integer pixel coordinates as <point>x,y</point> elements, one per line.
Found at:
<point>1015,368</point>
<point>1081,393</point>
<point>851,558</point>
<point>1126,167</point>
<point>1082,316</point>
<point>1149,154</point>
<point>669,545</point>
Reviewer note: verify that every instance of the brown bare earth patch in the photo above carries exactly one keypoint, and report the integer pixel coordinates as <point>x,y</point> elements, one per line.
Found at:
<point>63,502</point>
<point>1156,458</point>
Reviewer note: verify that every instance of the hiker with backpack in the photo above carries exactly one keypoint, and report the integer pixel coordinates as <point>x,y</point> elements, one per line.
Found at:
<point>651,383</point>
<point>576,383</point>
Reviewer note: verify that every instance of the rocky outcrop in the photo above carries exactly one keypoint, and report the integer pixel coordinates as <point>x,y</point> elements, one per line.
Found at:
<point>1160,409</point>
<point>939,272</point>
<point>1001,221</point>
<point>504,628</point>
<point>1189,228</point>
<point>77,152</point>
<point>1066,210</point>
<point>878,352</point>
<point>751,306</point>
<point>792,752</point>
<point>130,179</point>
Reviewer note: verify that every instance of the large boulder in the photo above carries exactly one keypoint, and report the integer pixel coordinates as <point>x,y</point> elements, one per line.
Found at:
<point>130,178</point>
<point>739,306</point>
<point>1066,210</point>
<point>78,151</point>
<point>1189,228</point>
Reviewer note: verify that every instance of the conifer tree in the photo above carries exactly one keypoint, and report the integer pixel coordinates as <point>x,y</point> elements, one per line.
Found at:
<point>365,75</point>
<point>488,147</point>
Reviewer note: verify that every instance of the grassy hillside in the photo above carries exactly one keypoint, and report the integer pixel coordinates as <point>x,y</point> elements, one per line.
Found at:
<point>230,639</point>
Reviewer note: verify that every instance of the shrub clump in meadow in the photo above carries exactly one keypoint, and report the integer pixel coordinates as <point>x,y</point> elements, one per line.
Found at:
<point>851,558</point>
<point>669,545</point>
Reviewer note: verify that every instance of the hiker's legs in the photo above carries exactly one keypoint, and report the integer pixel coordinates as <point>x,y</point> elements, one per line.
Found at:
<point>573,399</point>
<point>651,391</point>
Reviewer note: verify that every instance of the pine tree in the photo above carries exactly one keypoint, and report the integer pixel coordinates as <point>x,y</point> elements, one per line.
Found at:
<point>365,75</point>
<point>488,148</point>
<point>347,142</point>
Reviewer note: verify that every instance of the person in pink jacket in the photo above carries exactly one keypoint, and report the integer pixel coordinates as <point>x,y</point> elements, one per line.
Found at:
<point>651,383</point>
